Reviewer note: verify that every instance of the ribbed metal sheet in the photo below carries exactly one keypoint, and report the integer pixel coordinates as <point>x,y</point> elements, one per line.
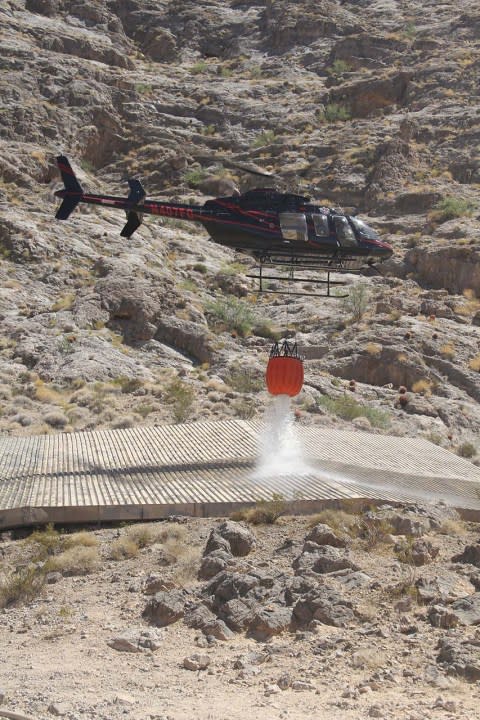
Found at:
<point>207,468</point>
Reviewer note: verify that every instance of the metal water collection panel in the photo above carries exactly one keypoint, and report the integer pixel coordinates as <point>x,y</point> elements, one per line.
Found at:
<point>209,468</point>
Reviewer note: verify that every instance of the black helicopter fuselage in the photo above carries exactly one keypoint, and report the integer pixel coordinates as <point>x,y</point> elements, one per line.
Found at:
<point>273,227</point>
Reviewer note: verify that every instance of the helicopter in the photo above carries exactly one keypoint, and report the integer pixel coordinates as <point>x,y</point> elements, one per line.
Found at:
<point>278,229</point>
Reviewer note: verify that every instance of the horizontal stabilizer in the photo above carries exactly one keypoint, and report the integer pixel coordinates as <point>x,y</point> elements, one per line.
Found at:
<point>133,222</point>
<point>68,206</point>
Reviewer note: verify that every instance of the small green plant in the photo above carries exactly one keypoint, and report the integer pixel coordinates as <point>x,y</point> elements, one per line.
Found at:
<point>265,138</point>
<point>199,67</point>
<point>467,450</point>
<point>181,396</point>
<point>335,112</point>
<point>194,177</point>
<point>144,409</point>
<point>450,208</point>
<point>348,408</point>
<point>200,268</point>
<point>265,512</point>
<point>230,313</point>
<point>338,67</point>
<point>143,88</point>
<point>356,302</point>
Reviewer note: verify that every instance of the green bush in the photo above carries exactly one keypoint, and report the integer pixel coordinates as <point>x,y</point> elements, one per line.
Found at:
<point>356,302</point>
<point>335,111</point>
<point>243,380</point>
<point>230,313</point>
<point>347,408</point>
<point>181,396</point>
<point>450,208</point>
<point>466,450</point>
<point>265,138</point>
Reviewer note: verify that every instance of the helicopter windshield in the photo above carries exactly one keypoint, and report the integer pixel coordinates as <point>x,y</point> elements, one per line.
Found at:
<point>293,226</point>
<point>364,229</point>
<point>345,234</point>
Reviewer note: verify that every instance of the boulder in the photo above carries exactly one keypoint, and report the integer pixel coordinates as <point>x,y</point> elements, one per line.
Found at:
<point>471,554</point>
<point>270,621</point>
<point>212,564</point>
<point>135,641</point>
<point>467,609</point>
<point>165,608</point>
<point>241,539</point>
<point>322,559</point>
<point>216,542</point>
<point>238,614</point>
<point>323,535</point>
<point>201,618</point>
<point>459,658</point>
<point>196,662</point>
<point>325,605</point>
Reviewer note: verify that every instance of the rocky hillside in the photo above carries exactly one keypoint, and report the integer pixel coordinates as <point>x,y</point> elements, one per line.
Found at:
<point>365,105</point>
<point>373,615</point>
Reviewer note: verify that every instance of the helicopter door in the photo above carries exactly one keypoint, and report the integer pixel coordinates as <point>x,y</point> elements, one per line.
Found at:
<point>345,235</point>
<point>293,226</point>
<point>320,223</point>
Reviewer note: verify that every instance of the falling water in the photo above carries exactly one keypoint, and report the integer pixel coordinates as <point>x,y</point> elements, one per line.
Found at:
<point>280,448</point>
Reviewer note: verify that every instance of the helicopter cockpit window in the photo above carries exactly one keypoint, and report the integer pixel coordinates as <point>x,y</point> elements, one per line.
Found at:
<point>293,226</point>
<point>320,223</point>
<point>345,234</point>
<point>364,229</point>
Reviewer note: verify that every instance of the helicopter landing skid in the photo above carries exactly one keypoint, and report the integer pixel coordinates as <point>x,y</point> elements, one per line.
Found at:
<point>292,279</point>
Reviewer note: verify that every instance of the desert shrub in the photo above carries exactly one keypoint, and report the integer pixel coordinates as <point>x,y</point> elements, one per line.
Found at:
<point>245,408</point>
<point>65,302</point>
<point>168,532</point>
<point>336,111</point>
<point>230,313</point>
<point>341,522</point>
<point>422,386</point>
<point>127,384</point>
<point>181,396</point>
<point>474,363</point>
<point>347,408</point>
<point>122,423</point>
<point>466,450</point>
<point>448,351</point>
<point>200,67</point>
<point>194,177</point>
<point>338,67</point>
<point>201,268</point>
<point>123,548</point>
<point>373,530</point>
<point>82,538</point>
<point>144,409</point>
<point>45,542</point>
<point>265,512</point>
<point>356,302</point>
<point>143,535</point>
<point>243,379</point>
<point>77,560</point>
<point>56,419</point>
<point>264,138</point>
<point>21,586</point>
<point>186,569</point>
<point>450,526</point>
<point>450,208</point>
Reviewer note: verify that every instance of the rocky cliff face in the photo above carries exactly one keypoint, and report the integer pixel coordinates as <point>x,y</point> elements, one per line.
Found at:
<point>370,105</point>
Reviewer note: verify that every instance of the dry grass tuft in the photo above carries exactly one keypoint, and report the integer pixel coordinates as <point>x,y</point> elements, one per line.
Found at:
<point>422,386</point>
<point>265,512</point>
<point>44,542</point>
<point>172,531</point>
<point>21,587</point>
<point>78,560</point>
<point>341,522</point>
<point>82,538</point>
<point>452,527</point>
<point>123,548</point>
<point>474,363</point>
<point>143,535</point>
